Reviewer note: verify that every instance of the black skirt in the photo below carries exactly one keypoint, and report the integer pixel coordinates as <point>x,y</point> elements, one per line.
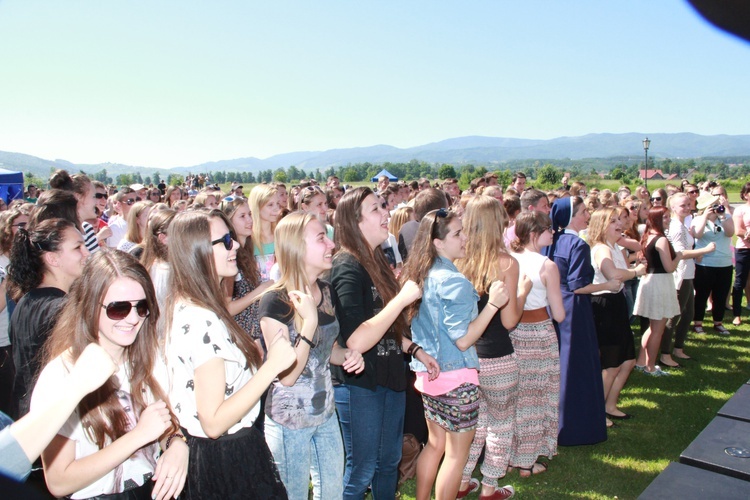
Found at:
<point>613,332</point>
<point>238,465</point>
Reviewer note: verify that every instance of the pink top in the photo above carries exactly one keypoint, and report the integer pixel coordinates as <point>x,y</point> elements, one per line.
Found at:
<point>742,213</point>
<point>446,381</point>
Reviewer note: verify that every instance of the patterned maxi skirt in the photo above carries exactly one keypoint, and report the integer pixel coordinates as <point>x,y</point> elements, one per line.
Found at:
<point>498,390</point>
<point>538,360</point>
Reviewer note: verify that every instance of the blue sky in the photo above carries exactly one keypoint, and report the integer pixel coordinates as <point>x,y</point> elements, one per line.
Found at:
<point>178,83</point>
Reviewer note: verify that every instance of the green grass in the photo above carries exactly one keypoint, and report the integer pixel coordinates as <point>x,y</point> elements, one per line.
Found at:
<point>669,413</point>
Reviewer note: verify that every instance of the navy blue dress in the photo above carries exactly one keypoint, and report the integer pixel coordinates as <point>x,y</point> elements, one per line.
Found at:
<point>581,417</point>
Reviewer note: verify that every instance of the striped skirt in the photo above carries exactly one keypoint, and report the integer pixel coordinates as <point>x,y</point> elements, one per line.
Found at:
<point>538,392</point>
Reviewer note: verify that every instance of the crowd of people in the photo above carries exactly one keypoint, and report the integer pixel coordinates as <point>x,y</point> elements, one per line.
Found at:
<point>183,341</point>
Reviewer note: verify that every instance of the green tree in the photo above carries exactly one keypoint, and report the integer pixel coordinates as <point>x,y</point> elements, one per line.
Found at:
<point>549,175</point>
<point>156,177</point>
<point>175,180</point>
<point>446,171</point>
<point>280,175</point>
<point>147,180</point>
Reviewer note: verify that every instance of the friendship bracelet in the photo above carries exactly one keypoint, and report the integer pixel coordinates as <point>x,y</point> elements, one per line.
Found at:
<point>169,440</point>
<point>493,305</point>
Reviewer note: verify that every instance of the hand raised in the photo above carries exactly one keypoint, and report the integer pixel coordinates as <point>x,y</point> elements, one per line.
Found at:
<point>410,292</point>
<point>304,304</point>
<point>498,294</point>
<point>92,368</point>
<point>281,354</point>
<point>153,422</point>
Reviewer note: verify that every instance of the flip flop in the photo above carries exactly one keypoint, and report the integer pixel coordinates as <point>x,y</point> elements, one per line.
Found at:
<point>535,469</point>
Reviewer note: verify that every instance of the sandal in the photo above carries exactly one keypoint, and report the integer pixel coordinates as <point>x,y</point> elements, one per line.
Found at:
<point>699,329</point>
<point>737,321</point>
<point>721,330</point>
<point>473,486</point>
<point>535,469</point>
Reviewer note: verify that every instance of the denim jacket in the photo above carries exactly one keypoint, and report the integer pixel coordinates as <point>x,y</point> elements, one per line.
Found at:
<point>449,304</point>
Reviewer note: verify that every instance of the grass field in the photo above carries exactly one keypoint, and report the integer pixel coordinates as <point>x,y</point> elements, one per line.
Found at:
<point>669,413</point>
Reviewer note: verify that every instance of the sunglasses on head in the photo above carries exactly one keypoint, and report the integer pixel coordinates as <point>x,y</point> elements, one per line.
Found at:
<point>440,214</point>
<point>226,239</point>
<point>121,309</point>
<point>100,196</point>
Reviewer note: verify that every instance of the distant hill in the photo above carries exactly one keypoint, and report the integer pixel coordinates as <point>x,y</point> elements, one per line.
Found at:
<point>473,149</point>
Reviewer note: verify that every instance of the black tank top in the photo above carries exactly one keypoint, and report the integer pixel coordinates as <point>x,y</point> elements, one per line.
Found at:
<point>653,259</point>
<point>495,341</point>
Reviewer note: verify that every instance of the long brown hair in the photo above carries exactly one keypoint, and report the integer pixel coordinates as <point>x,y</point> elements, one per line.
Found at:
<point>349,238</point>
<point>423,253</point>
<point>102,414</point>
<point>486,258</point>
<point>153,249</point>
<point>193,275</point>
<point>245,258</point>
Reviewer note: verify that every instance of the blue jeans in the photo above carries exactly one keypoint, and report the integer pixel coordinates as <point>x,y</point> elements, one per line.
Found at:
<point>298,453</point>
<point>372,423</point>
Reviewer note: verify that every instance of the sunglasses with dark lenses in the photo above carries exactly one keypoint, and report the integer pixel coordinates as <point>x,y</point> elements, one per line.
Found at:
<point>130,201</point>
<point>19,224</point>
<point>693,191</point>
<point>121,309</point>
<point>442,214</point>
<point>226,239</point>
<point>656,198</point>
<point>100,196</point>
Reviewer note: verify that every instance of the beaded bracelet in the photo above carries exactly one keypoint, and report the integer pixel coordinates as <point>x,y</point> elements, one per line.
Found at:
<point>169,440</point>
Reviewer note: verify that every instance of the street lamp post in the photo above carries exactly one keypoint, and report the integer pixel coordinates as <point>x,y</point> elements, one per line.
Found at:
<point>646,144</point>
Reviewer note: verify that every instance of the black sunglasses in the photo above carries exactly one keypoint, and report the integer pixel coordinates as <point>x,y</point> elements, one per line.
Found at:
<point>19,224</point>
<point>226,239</point>
<point>442,214</point>
<point>694,191</point>
<point>121,309</point>
<point>130,201</point>
<point>656,198</point>
<point>100,196</point>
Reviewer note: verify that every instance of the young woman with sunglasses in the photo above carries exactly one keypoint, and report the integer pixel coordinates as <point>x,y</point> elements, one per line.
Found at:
<point>242,291</point>
<point>369,305</point>
<point>265,210</point>
<point>486,261</point>
<point>611,316</point>
<point>535,344</point>
<point>713,274</point>
<point>446,324</point>
<point>215,368</point>
<point>305,439</point>
<point>44,262</point>
<point>110,444</point>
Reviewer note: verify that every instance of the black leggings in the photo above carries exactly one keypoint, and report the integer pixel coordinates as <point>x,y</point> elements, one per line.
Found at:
<point>742,267</point>
<point>712,281</point>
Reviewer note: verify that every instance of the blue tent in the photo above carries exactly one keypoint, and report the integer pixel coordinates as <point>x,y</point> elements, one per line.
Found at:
<point>391,177</point>
<point>11,185</point>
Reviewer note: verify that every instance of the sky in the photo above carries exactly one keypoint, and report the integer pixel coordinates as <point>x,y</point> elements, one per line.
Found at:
<point>181,82</point>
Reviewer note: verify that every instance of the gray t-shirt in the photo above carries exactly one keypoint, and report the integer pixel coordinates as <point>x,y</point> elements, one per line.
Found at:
<point>309,402</point>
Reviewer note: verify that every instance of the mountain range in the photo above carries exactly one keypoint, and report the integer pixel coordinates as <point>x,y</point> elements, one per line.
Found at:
<point>489,151</point>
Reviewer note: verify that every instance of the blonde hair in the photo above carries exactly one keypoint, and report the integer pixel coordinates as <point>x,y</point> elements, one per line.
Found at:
<point>400,217</point>
<point>259,197</point>
<point>484,222</point>
<point>599,223</point>
<point>135,233</point>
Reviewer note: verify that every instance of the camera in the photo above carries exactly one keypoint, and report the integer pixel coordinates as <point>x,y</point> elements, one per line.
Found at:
<point>719,209</point>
